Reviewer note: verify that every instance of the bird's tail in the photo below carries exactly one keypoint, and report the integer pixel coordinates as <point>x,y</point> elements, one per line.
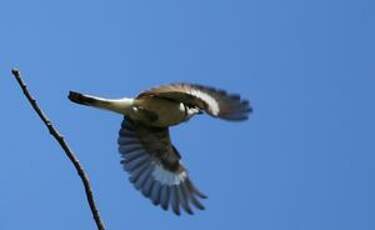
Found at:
<point>116,105</point>
<point>82,99</point>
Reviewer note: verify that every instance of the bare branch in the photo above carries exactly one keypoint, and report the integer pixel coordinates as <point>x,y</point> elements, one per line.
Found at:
<point>68,152</point>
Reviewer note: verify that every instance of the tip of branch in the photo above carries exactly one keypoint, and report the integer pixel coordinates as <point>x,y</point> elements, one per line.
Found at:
<point>15,72</point>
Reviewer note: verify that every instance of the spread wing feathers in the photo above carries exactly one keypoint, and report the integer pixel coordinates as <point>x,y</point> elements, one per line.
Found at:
<point>215,102</point>
<point>155,168</point>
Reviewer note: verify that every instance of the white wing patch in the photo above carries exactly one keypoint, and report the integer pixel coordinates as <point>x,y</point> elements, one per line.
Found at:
<point>211,101</point>
<point>167,177</point>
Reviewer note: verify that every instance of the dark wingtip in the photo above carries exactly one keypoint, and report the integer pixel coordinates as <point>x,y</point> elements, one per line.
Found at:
<point>177,213</point>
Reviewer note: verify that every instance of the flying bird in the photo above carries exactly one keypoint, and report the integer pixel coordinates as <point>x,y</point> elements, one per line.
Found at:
<point>149,156</point>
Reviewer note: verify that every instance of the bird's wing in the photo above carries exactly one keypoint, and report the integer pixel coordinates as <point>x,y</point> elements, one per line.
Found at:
<point>215,102</point>
<point>155,167</point>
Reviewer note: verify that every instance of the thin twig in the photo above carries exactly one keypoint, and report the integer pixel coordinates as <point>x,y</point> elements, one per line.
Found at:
<point>68,152</point>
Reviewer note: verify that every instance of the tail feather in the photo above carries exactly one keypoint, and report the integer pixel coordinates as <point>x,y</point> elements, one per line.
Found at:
<point>116,105</point>
<point>79,98</point>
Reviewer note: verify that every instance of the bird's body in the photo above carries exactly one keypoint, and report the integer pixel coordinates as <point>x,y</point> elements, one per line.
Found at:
<point>149,110</point>
<point>159,112</point>
<point>144,142</point>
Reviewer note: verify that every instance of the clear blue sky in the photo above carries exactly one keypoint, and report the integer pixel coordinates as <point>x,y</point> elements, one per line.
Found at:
<point>305,159</point>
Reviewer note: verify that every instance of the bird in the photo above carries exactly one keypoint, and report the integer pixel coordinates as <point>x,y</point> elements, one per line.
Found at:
<point>148,155</point>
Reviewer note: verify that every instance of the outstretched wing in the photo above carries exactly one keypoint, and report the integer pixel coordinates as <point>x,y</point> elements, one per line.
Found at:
<point>155,167</point>
<point>215,102</point>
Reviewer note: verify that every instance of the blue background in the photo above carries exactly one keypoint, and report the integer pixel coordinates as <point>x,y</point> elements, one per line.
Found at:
<point>305,159</point>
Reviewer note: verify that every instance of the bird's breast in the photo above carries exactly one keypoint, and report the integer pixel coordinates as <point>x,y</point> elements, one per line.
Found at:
<point>167,112</point>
